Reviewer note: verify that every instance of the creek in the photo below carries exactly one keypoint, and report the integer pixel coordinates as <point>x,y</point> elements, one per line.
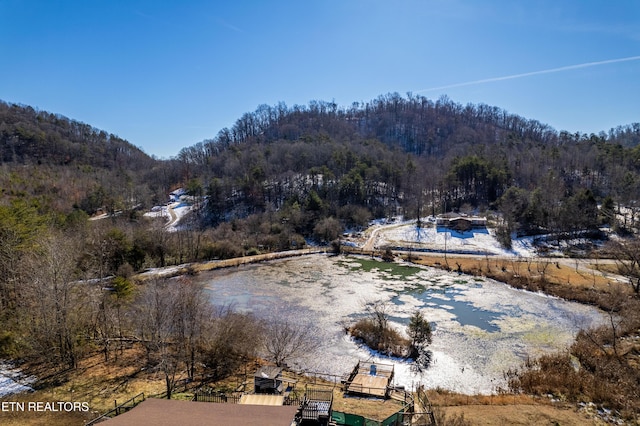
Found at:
<point>481,327</point>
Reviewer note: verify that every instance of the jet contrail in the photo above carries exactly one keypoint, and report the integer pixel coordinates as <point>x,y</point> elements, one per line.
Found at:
<point>528,74</point>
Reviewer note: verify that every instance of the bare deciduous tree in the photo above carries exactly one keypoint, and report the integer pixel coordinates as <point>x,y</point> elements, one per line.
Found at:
<point>231,339</point>
<point>191,313</point>
<point>156,329</point>
<point>285,340</point>
<point>627,256</point>
<point>172,323</point>
<point>56,302</point>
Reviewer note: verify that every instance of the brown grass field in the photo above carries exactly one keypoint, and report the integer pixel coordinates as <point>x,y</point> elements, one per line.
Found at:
<point>589,284</point>
<point>507,409</point>
<point>503,269</point>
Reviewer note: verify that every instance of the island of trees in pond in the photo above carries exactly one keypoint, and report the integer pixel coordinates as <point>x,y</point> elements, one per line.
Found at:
<point>376,333</point>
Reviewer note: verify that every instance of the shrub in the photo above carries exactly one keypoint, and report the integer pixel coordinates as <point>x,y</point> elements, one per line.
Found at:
<point>387,256</point>
<point>503,235</point>
<point>385,340</point>
<point>7,344</point>
<point>592,370</point>
<point>252,251</point>
<point>375,332</point>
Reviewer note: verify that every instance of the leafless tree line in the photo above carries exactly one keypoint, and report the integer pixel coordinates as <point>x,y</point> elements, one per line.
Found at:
<point>60,317</point>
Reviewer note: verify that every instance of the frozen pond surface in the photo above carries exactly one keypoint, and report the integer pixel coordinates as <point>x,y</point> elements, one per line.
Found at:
<point>481,327</point>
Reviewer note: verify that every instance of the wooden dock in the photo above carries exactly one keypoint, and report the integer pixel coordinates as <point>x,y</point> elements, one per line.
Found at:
<point>370,379</point>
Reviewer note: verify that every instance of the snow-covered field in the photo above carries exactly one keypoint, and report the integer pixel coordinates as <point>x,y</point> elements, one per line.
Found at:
<point>478,241</point>
<point>172,213</point>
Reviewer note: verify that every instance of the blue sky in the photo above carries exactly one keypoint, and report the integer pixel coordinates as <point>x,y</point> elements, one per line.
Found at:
<point>168,74</point>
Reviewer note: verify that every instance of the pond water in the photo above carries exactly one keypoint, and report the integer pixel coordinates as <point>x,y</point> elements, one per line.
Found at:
<point>480,327</point>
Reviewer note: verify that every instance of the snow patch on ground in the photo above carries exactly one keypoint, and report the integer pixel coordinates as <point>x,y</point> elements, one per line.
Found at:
<point>13,381</point>
<point>436,238</point>
<point>178,206</point>
<point>172,213</point>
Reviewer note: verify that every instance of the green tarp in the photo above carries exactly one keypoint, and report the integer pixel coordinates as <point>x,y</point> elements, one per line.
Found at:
<point>391,421</point>
<point>345,419</point>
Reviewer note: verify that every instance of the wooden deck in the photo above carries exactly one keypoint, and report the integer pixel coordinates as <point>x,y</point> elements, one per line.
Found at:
<point>367,384</point>
<point>370,379</point>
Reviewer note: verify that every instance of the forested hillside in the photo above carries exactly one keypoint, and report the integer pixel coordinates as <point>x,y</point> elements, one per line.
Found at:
<point>284,174</point>
<point>36,137</point>
<point>63,164</point>
<point>413,155</point>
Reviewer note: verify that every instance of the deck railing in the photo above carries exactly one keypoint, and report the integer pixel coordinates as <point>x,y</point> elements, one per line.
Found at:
<point>119,409</point>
